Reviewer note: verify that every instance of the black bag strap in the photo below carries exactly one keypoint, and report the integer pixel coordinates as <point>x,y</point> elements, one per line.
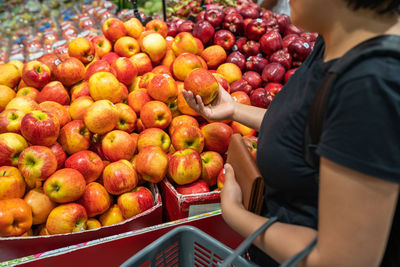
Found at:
<point>247,242</point>
<point>385,45</point>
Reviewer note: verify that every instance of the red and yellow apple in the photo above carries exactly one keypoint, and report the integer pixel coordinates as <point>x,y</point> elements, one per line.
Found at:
<point>137,99</point>
<point>136,201</point>
<point>101,117</point>
<point>101,45</point>
<point>12,184</point>
<point>230,71</point>
<point>54,91</point>
<point>6,95</point>
<point>197,187</point>
<point>23,103</point>
<point>126,118</point>
<point>88,163</point>
<point>112,216</point>
<point>80,89</point>
<point>10,121</point>
<point>11,146</point>
<point>70,71</point>
<point>214,56</point>
<point>60,154</point>
<point>217,136</point>
<point>242,129</point>
<point>82,49</point>
<point>113,29</point>
<point>9,75</point>
<point>184,42</point>
<point>93,223</point>
<point>65,185</point>
<point>154,45</point>
<point>154,136</point>
<point>67,218</point>
<point>155,114</point>
<point>142,62</point>
<point>162,88</point>
<point>182,120</point>
<point>79,107</point>
<point>188,137</point>
<point>152,164</point>
<point>126,70</point>
<point>184,64</point>
<point>75,137</point>
<point>30,92</point>
<point>119,177</point>
<point>201,82</point>
<point>211,167</point>
<point>15,217</point>
<point>104,85</point>
<point>95,199</point>
<point>134,27</point>
<point>117,145</point>
<point>40,128</point>
<point>184,166</point>
<point>157,25</point>
<point>58,110</point>
<point>126,46</point>
<point>40,204</point>
<point>36,74</point>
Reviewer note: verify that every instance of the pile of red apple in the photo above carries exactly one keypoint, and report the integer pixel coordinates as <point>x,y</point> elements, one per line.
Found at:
<point>265,46</point>
<point>81,134</point>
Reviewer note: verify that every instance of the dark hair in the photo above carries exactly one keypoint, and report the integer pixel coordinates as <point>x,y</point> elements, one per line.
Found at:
<point>381,6</point>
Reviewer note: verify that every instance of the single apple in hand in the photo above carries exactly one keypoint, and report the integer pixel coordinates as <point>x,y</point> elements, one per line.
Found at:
<point>201,82</point>
<point>67,218</point>
<point>135,202</point>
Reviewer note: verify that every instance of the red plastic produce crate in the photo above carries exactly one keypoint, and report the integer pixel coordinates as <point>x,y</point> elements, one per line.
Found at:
<point>178,206</point>
<point>17,247</point>
<point>114,250</point>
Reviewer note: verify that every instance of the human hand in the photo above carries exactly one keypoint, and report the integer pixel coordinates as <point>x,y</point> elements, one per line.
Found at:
<point>231,193</point>
<point>222,108</point>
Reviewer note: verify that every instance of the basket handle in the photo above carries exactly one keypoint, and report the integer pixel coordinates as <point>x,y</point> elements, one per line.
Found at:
<point>247,242</point>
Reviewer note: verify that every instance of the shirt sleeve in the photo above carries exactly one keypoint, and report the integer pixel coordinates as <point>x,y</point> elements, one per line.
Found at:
<point>362,126</point>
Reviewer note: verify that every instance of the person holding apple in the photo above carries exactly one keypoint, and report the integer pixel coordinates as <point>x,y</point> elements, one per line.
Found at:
<point>354,206</point>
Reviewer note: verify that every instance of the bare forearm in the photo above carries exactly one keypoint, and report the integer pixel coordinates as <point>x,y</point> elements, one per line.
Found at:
<point>249,115</point>
<point>281,241</point>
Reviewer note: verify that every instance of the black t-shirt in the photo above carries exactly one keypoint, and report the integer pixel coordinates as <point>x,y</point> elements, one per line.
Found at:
<point>361,131</point>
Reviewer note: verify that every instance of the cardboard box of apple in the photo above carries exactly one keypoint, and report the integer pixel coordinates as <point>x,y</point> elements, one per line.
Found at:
<point>81,134</point>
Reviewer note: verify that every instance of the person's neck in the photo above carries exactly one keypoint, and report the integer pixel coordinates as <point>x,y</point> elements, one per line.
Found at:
<point>354,28</point>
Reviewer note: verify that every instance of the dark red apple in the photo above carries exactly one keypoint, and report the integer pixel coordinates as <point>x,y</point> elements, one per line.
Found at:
<point>282,57</point>
<point>186,26</point>
<point>256,63</point>
<point>283,22</point>
<point>233,22</point>
<point>238,59</point>
<point>224,38</point>
<point>260,98</point>
<point>288,39</point>
<point>291,29</point>
<point>273,88</point>
<point>230,10</point>
<point>253,78</point>
<point>214,16</point>
<point>255,29</point>
<point>270,42</point>
<point>172,29</point>
<point>240,42</point>
<point>200,16</point>
<point>267,14</point>
<point>273,72</point>
<point>289,73</point>
<point>300,49</point>
<point>271,24</point>
<point>249,12</point>
<point>241,85</point>
<point>251,48</point>
<point>203,30</point>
